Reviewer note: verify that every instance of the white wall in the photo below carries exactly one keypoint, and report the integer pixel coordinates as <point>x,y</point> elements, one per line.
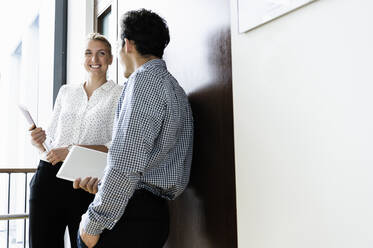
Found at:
<point>303,122</point>
<point>80,22</point>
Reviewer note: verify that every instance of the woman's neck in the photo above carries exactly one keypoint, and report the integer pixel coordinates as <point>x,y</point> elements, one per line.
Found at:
<point>92,84</point>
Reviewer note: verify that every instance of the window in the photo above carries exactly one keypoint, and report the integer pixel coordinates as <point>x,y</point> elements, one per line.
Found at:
<point>103,23</point>
<point>26,77</point>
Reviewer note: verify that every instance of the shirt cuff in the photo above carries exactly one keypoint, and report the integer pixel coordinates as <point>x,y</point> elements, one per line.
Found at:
<point>43,156</point>
<point>91,227</point>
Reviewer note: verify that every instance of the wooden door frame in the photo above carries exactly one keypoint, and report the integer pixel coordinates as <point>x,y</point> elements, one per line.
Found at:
<point>100,8</point>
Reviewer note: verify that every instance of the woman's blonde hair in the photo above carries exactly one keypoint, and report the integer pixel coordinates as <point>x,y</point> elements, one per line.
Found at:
<point>102,38</point>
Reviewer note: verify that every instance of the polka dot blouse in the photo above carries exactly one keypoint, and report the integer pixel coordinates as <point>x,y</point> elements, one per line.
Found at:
<point>79,120</point>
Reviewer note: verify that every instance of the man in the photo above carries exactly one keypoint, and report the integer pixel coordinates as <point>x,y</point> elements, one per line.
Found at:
<point>150,156</point>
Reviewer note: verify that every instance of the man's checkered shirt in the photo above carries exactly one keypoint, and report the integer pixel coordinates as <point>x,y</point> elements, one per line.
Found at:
<point>151,147</point>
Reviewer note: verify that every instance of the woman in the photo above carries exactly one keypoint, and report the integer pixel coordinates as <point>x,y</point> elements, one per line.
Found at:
<point>83,115</point>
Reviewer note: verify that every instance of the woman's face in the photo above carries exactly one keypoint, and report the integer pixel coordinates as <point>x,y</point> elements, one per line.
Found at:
<point>97,58</point>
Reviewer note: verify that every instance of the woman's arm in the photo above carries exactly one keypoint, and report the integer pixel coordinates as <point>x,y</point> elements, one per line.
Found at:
<point>59,154</point>
<point>100,148</point>
<point>54,121</point>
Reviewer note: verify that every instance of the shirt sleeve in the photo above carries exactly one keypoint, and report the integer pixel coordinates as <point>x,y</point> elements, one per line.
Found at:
<point>52,127</point>
<point>138,124</point>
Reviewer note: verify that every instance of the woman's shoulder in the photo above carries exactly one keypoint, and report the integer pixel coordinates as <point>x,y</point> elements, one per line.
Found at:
<point>66,88</point>
<point>115,88</point>
<point>114,85</point>
<point>69,90</point>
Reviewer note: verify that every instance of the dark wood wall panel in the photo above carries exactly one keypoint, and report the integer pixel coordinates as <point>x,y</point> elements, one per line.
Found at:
<point>199,57</point>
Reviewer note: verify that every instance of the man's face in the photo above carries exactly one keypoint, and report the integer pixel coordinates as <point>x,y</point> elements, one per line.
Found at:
<point>126,62</point>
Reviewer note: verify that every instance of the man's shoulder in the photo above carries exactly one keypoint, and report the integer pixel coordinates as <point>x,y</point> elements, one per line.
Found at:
<point>152,72</point>
<point>148,77</point>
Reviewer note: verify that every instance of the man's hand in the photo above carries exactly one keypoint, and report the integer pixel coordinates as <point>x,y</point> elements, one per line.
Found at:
<point>89,240</point>
<point>57,155</point>
<point>88,184</point>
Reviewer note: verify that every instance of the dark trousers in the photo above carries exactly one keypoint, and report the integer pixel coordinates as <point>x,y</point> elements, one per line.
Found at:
<point>144,224</point>
<point>54,204</point>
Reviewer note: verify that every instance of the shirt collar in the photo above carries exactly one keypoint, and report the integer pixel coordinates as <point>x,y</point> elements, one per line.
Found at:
<point>154,63</point>
<point>106,86</point>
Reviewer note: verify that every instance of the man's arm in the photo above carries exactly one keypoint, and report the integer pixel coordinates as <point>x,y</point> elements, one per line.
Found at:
<point>141,114</point>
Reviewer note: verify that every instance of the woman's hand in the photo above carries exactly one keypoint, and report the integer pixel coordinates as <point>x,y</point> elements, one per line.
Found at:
<point>57,155</point>
<point>38,136</point>
<point>88,184</point>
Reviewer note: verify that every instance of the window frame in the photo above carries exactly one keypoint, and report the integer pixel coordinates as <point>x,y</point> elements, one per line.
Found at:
<point>60,46</point>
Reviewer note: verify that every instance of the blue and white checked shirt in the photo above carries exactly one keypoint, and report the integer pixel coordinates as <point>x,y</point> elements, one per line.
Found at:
<point>151,147</point>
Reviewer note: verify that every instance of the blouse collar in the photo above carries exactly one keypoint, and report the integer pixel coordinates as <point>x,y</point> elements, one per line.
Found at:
<point>107,86</point>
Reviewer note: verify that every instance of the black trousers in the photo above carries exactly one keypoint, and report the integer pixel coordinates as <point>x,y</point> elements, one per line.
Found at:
<point>144,224</point>
<point>54,204</point>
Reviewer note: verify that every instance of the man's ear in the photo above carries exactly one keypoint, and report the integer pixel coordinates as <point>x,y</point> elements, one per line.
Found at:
<point>129,45</point>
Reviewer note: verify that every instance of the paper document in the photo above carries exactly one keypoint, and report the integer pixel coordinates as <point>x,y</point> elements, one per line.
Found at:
<point>82,162</point>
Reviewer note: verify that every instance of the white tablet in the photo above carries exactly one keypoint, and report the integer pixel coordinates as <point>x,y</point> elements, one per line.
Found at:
<point>82,162</point>
<point>47,143</point>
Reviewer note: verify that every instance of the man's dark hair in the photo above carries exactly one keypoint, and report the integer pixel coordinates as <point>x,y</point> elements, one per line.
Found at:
<point>147,29</point>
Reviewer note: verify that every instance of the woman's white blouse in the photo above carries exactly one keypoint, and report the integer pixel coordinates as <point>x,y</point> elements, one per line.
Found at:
<point>77,120</point>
